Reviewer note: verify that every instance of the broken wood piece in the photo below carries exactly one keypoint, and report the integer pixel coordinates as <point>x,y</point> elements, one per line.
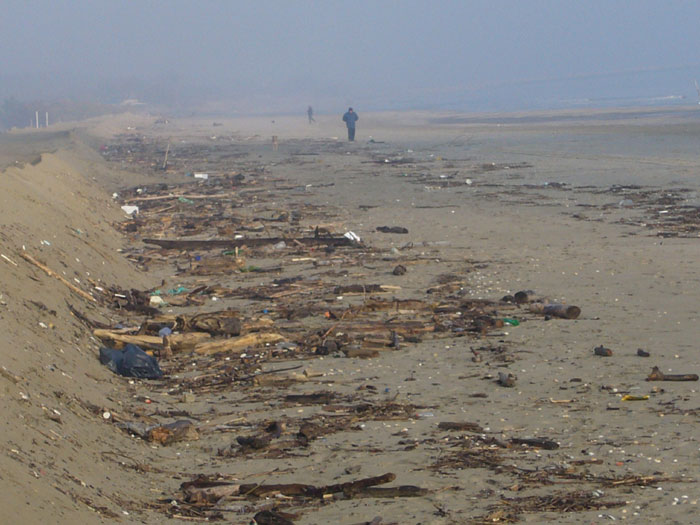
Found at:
<point>311,491</point>
<point>317,398</point>
<point>8,259</point>
<point>48,271</point>
<point>266,379</point>
<point>544,443</point>
<point>364,353</point>
<point>230,244</point>
<point>175,342</point>
<point>402,491</point>
<point>239,343</point>
<point>203,491</point>
<point>563,311</point>
<point>658,375</point>
<point>462,426</point>
<point>362,289</point>
<point>224,322</point>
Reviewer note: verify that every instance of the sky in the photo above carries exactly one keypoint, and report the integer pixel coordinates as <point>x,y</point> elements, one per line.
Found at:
<point>275,55</point>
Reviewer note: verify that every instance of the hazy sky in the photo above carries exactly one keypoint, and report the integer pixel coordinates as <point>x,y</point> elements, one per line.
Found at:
<point>370,53</point>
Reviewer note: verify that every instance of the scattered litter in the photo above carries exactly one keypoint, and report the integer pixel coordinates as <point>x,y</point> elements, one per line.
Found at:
<point>130,362</point>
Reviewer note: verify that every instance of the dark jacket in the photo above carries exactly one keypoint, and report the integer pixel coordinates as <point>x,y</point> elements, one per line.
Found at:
<point>350,118</point>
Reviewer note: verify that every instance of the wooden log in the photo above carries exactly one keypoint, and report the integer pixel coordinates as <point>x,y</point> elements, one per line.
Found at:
<point>48,271</point>
<point>229,244</point>
<point>176,341</point>
<point>556,310</point>
<point>239,343</point>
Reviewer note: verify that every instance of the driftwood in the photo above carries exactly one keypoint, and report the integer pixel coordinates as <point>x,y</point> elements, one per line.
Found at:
<point>360,352</point>
<point>239,343</point>
<point>48,271</point>
<point>229,244</point>
<point>223,322</point>
<point>462,426</point>
<point>402,491</point>
<point>312,491</point>
<point>174,341</point>
<point>658,375</point>
<point>217,323</point>
<point>201,490</point>
<point>362,289</point>
<point>556,310</point>
<point>544,443</point>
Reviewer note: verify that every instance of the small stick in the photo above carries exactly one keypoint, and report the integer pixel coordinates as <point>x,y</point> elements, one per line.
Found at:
<point>53,274</point>
<point>165,161</point>
<point>8,259</point>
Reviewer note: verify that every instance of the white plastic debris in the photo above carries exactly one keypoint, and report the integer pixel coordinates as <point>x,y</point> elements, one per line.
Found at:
<point>130,210</point>
<point>204,176</point>
<point>352,236</point>
<point>155,300</point>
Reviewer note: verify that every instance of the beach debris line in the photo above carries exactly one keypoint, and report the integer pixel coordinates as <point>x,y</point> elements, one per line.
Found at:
<point>269,292</point>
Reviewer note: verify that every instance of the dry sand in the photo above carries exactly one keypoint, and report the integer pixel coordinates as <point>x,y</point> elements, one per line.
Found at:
<point>540,211</point>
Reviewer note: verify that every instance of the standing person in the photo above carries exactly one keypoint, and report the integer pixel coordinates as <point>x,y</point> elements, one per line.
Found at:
<point>350,118</point>
<point>310,113</point>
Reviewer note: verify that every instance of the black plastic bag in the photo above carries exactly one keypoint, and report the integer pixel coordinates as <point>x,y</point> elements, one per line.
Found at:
<point>130,362</point>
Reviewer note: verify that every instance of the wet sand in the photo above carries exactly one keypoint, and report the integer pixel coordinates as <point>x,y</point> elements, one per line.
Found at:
<point>597,213</point>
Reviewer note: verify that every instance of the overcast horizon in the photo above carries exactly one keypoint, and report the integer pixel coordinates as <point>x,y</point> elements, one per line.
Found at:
<point>266,56</point>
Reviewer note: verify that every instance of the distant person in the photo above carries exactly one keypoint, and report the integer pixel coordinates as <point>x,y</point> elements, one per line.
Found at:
<point>350,118</point>
<point>310,113</point>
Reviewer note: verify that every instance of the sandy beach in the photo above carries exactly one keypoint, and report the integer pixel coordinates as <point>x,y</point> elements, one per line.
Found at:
<point>371,371</point>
